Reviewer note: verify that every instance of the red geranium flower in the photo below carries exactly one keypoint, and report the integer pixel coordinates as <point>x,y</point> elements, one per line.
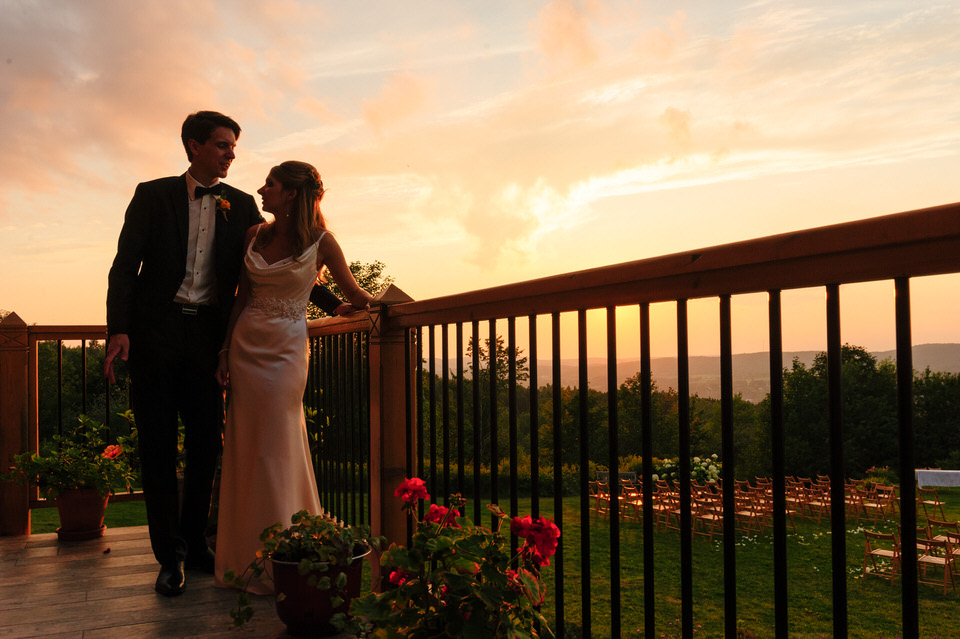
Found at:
<point>112,451</point>
<point>542,537</point>
<point>438,513</point>
<point>398,577</point>
<point>410,490</point>
<point>520,526</point>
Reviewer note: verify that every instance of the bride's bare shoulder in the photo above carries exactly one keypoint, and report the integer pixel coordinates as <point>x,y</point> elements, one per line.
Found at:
<point>252,232</point>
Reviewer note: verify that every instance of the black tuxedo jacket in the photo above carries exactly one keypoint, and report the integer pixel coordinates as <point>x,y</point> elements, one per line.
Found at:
<point>152,251</point>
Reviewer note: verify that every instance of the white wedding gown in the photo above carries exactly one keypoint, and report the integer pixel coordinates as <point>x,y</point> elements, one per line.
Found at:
<point>267,474</point>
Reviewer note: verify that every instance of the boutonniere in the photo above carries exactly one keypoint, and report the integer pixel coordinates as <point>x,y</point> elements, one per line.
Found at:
<point>223,207</point>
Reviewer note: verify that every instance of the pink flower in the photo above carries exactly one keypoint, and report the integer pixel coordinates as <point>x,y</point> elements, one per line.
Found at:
<point>410,490</point>
<point>112,451</point>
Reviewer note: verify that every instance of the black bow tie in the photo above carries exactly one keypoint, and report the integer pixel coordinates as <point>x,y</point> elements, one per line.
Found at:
<point>200,191</point>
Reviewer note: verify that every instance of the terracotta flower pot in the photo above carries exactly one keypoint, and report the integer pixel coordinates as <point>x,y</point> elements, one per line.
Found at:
<point>81,514</point>
<point>306,609</point>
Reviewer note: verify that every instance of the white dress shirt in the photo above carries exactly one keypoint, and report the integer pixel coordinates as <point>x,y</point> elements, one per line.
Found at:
<point>199,280</point>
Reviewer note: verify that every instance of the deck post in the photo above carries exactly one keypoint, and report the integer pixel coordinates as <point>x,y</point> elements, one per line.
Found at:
<point>389,437</point>
<point>14,349</point>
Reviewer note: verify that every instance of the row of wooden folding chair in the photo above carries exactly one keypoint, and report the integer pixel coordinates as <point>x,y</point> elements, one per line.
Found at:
<point>876,502</point>
<point>935,554</point>
<point>630,498</point>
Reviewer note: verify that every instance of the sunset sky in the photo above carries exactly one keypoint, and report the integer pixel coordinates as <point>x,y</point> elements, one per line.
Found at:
<point>470,144</point>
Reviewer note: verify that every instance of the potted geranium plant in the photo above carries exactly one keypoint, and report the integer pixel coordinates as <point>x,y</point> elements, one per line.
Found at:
<point>315,564</point>
<point>457,579</point>
<point>79,472</point>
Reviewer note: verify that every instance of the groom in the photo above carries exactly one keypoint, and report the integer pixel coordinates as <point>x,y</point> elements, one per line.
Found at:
<point>170,291</point>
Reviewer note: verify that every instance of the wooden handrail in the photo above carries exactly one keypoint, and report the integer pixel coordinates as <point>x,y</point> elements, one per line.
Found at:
<point>915,243</point>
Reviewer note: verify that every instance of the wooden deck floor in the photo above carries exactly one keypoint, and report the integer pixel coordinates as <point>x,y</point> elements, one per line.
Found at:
<point>103,588</point>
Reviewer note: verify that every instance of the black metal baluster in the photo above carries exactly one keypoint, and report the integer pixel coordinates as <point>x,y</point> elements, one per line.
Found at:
<point>557,474</point>
<point>729,478</point>
<point>584,489</point>
<point>432,366</point>
<point>60,387</point>
<point>364,434</point>
<point>477,421</point>
<point>613,462</point>
<point>534,421</point>
<point>342,425</point>
<point>350,423</point>
<point>837,501</point>
<point>646,485</point>
<point>777,455</point>
<point>683,440</point>
<point>420,409</point>
<point>83,380</point>
<point>409,386</point>
<point>494,449</point>
<point>908,502</point>
<point>445,407</point>
<point>461,418</point>
<point>512,417</point>
<point>323,416</point>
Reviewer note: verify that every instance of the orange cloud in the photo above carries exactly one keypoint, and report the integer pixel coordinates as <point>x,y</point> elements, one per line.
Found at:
<point>662,43</point>
<point>563,32</point>
<point>402,96</point>
<point>677,122</point>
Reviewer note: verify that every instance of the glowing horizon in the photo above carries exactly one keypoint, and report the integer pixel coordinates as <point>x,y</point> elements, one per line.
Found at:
<point>506,142</point>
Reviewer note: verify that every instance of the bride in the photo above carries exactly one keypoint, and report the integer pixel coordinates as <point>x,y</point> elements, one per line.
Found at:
<point>267,474</point>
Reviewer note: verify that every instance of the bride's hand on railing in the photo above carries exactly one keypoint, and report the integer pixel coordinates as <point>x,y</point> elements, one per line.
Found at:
<point>346,309</point>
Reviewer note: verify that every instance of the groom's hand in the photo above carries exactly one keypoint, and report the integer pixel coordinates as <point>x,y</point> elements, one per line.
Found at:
<point>119,344</point>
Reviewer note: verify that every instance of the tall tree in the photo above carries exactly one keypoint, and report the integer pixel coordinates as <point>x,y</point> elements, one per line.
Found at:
<point>369,275</point>
<point>868,390</point>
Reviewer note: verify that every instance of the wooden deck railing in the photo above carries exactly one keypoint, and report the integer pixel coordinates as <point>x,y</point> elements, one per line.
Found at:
<point>411,425</point>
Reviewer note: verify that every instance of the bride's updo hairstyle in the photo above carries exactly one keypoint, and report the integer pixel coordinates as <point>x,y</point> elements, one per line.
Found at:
<point>305,215</point>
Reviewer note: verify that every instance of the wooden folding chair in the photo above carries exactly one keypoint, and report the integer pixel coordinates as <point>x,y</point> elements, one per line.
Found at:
<point>631,500</point>
<point>600,496</point>
<point>871,505</point>
<point>882,552</point>
<point>853,498</point>
<point>749,513</point>
<point>667,507</point>
<point>819,501</point>
<point>930,502</point>
<point>795,495</point>
<point>887,495</point>
<point>707,515</point>
<point>933,553</point>
<point>954,539</point>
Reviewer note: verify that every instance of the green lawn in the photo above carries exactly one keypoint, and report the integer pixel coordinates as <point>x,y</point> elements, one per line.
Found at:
<point>128,513</point>
<point>873,604</point>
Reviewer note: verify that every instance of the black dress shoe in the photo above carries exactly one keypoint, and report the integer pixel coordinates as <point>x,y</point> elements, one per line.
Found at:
<point>171,580</point>
<point>202,561</point>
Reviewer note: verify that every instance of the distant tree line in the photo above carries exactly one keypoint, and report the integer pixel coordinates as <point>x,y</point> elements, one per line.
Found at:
<point>869,419</point>
<point>869,414</point>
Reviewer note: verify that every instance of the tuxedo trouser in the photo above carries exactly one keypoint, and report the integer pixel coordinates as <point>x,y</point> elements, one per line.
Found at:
<point>173,365</point>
